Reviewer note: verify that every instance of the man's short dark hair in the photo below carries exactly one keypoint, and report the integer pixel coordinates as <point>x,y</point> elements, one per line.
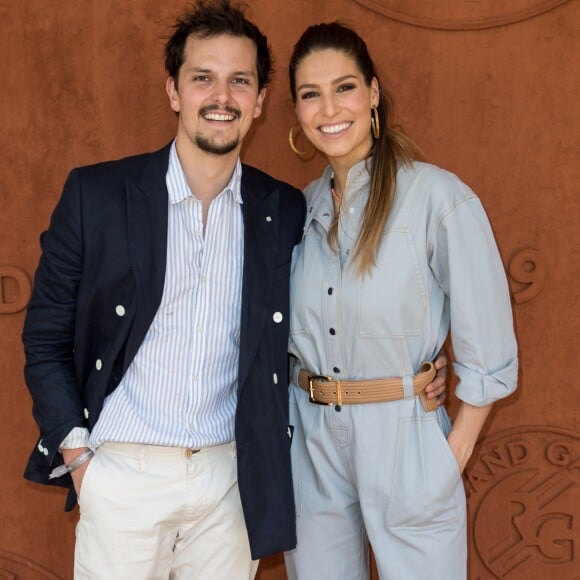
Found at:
<point>208,18</point>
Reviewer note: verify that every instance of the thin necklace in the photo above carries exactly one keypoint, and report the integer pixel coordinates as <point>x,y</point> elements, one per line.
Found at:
<point>335,195</point>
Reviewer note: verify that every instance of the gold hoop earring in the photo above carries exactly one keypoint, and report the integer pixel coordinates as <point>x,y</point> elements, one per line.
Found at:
<point>375,124</point>
<point>301,154</point>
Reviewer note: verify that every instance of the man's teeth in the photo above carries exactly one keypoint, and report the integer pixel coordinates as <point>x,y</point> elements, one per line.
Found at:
<point>334,128</point>
<point>219,117</point>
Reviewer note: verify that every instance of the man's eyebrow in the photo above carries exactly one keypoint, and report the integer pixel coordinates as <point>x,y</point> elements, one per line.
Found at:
<point>197,69</point>
<point>245,73</point>
<point>200,69</point>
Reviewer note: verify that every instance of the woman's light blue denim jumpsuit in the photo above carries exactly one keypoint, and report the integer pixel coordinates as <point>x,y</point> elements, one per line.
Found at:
<point>383,472</point>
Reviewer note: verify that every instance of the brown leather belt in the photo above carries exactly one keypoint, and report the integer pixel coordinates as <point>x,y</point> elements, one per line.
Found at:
<point>324,390</point>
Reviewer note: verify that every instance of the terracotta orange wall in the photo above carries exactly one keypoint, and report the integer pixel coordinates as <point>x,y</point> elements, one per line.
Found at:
<point>489,93</point>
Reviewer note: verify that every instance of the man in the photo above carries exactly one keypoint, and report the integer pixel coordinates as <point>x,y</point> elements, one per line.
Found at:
<point>157,332</point>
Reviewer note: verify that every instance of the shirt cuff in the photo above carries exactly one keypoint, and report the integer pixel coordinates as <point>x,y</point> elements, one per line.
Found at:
<point>480,389</point>
<point>78,437</point>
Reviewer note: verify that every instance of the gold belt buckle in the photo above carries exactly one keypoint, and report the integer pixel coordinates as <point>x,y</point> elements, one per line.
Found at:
<point>311,379</point>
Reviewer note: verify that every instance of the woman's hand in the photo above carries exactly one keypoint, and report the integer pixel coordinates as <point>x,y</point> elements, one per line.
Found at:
<point>465,431</point>
<point>460,448</point>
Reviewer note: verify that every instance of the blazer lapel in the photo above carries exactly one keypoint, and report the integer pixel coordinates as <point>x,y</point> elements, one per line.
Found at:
<point>260,211</point>
<point>147,207</point>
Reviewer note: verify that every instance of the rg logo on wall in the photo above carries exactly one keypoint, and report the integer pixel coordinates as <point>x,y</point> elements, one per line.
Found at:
<point>523,489</point>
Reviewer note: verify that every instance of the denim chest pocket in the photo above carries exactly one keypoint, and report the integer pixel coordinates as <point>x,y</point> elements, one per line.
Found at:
<point>392,300</point>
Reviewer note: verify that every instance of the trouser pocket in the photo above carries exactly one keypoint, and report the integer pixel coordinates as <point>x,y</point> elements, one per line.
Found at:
<point>427,487</point>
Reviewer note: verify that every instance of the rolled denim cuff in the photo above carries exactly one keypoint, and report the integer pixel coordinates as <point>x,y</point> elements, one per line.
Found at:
<point>481,389</point>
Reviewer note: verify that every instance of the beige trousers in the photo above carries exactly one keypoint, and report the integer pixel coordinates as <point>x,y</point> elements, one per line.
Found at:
<point>158,513</point>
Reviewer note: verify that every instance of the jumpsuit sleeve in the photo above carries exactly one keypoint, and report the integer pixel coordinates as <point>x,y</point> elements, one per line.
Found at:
<point>467,266</point>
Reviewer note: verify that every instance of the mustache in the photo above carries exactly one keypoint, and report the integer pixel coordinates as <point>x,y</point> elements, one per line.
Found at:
<point>217,108</point>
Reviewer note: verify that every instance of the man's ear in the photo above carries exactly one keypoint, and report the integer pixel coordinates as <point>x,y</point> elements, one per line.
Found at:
<point>173,94</point>
<point>259,103</point>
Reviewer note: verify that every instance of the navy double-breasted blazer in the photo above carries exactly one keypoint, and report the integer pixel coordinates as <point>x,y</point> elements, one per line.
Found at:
<point>106,246</point>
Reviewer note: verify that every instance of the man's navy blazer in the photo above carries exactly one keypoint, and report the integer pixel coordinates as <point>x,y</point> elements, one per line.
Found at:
<point>106,246</point>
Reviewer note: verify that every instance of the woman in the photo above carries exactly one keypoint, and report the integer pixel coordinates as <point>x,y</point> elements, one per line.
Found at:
<point>395,254</point>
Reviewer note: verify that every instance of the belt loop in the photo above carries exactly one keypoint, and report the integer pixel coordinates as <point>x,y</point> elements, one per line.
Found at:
<point>294,369</point>
<point>408,391</point>
<point>339,393</point>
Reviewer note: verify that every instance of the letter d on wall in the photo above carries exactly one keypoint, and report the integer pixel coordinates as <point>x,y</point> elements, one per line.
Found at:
<point>15,289</point>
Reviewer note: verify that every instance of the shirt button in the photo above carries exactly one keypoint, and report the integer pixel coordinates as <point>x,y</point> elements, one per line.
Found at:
<point>332,331</point>
<point>120,310</point>
<point>98,364</point>
<point>330,291</point>
<point>277,317</point>
<point>190,452</point>
<point>336,370</point>
<point>86,413</point>
<point>275,378</point>
<point>45,451</point>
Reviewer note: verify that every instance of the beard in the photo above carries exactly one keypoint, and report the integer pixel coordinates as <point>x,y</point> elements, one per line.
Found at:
<point>209,145</point>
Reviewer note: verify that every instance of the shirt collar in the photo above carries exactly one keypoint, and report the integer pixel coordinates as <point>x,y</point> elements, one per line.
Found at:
<point>358,175</point>
<point>358,178</point>
<point>178,188</point>
<point>319,198</point>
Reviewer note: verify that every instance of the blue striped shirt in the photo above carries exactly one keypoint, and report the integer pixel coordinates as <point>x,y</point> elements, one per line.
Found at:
<point>181,387</point>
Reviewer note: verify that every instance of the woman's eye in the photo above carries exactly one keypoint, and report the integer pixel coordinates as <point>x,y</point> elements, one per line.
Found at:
<point>346,87</point>
<point>308,95</point>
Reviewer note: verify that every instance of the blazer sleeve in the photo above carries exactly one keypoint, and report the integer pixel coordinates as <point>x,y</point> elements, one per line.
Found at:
<point>49,326</point>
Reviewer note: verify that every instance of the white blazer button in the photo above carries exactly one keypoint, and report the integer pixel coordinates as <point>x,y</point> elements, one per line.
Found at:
<point>99,364</point>
<point>275,378</point>
<point>120,310</point>
<point>86,413</point>
<point>277,317</point>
